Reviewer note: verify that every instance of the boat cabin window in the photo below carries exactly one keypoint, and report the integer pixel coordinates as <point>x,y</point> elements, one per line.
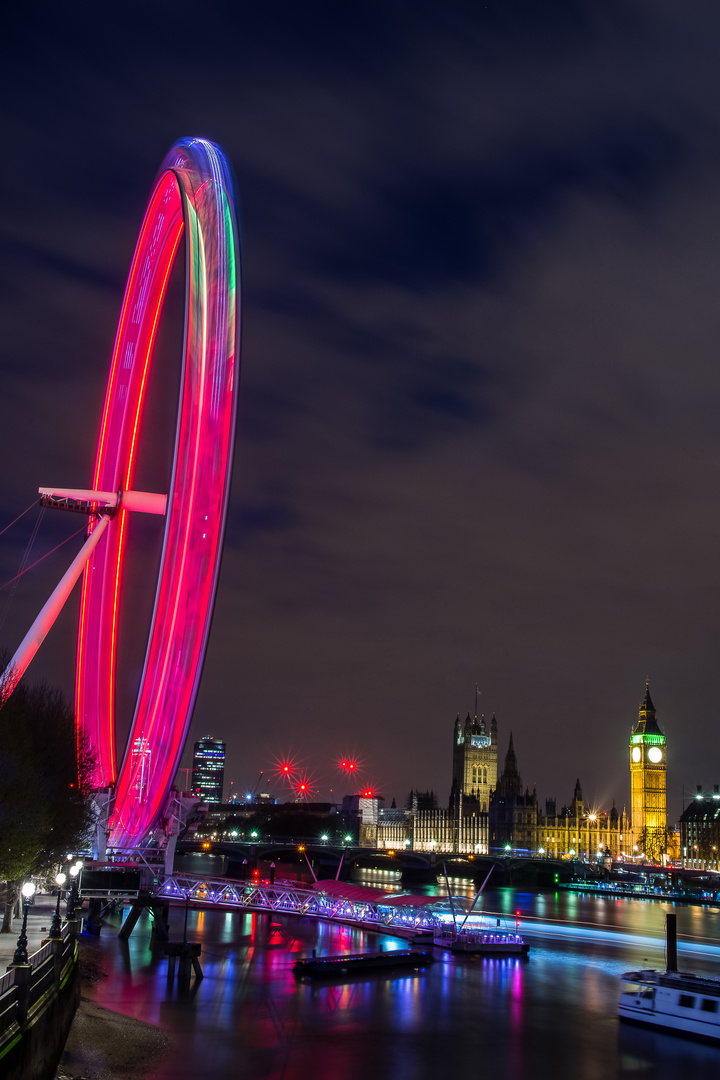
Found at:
<point>687,1001</point>
<point>709,1005</point>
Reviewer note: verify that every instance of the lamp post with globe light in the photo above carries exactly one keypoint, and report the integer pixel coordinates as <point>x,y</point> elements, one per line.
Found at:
<point>56,924</point>
<point>21,953</point>
<point>73,896</point>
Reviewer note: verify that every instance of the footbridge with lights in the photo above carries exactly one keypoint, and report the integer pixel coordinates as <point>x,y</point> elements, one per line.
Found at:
<point>336,901</point>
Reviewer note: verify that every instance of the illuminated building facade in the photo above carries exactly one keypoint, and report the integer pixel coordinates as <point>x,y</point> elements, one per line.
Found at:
<point>509,821</point>
<point>700,831</point>
<point>648,780</point>
<point>576,831</point>
<point>475,760</point>
<point>208,772</point>
<point>493,814</point>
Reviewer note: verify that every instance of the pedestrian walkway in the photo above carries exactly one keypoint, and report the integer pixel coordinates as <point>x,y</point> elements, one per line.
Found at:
<point>38,927</point>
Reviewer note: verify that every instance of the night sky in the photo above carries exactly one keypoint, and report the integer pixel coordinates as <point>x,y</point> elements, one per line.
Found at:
<point>479,428</point>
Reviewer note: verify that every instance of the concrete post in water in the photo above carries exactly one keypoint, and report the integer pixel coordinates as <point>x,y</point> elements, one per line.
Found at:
<point>671,939</point>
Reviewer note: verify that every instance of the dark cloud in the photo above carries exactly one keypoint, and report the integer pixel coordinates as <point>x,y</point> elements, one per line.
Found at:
<point>436,230</point>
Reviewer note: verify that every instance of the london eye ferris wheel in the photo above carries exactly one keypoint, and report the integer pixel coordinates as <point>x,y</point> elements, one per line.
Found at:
<point>192,204</point>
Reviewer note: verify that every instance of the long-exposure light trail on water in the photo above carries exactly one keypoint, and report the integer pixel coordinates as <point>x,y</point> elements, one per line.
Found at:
<point>192,200</point>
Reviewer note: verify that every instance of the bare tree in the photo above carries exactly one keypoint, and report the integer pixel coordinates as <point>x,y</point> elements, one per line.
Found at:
<point>654,842</point>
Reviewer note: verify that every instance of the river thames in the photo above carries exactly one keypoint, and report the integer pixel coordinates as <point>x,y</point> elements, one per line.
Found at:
<point>553,1015</point>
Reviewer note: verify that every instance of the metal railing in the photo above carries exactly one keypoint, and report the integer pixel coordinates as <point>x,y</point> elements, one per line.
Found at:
<point>37,958</point>
<point>23,989</point>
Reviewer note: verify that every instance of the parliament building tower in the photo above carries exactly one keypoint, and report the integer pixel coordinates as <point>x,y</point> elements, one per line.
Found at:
<point>475,760</point>
<point>648,772</point>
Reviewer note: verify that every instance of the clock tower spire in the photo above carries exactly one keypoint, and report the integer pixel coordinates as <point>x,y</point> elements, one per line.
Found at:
<point>648,780</point>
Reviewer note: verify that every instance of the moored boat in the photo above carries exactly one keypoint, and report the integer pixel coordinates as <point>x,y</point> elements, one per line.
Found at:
<point>489,941</point>
<point>334,967</point>
<point>674,1000</point>
<point>677,1001</point>
<point>478,934</point>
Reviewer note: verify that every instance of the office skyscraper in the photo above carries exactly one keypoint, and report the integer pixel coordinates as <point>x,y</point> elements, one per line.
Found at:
<point>208,772</point>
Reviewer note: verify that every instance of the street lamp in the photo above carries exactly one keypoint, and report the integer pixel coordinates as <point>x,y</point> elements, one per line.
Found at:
<point>56,924</point>
<point>73,895</point>
<point>21,953</point>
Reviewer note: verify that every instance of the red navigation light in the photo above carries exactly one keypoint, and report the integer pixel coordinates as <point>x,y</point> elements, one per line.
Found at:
<point>368,793</point>
<point>303,787</point>
<point>285,768</point>
<point>349,764</point>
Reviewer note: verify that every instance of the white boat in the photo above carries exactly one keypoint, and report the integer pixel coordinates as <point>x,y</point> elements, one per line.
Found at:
<point>674,1000</point>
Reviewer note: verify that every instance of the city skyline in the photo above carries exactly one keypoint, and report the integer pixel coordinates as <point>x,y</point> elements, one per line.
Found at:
<point>326,782</point>
<point>478,432</point>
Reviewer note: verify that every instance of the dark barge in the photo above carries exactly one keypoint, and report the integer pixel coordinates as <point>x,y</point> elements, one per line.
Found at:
<point>330,967</point>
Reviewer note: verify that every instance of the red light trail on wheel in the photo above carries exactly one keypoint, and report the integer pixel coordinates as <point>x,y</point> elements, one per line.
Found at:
<point>192,201</point>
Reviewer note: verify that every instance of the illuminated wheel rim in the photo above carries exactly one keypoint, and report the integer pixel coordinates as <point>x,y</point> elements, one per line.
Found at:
<point>192,200</point>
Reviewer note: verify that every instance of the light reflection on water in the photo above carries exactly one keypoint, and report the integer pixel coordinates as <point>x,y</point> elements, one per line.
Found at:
<point>552,1016</point>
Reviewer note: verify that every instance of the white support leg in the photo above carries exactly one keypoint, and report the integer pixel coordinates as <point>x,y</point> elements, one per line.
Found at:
<point>53,606</point>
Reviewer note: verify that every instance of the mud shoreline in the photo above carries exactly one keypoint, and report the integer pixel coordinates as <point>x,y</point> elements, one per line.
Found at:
<point>106,1044</point>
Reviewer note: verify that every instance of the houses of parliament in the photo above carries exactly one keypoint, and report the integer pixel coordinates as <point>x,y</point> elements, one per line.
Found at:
<point>491,814</point>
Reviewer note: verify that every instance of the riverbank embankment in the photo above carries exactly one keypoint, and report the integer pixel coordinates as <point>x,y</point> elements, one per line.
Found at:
<point>103,1044</point>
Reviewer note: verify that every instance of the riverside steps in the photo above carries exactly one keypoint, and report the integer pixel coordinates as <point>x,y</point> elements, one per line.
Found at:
<point>38,998</point>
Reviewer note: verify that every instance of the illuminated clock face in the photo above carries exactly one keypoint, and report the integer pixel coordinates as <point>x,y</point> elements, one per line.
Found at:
<point>636,753</point>
<point>655,754</point>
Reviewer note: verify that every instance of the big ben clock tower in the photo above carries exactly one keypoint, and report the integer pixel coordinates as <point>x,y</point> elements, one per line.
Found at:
<point>648,773</point>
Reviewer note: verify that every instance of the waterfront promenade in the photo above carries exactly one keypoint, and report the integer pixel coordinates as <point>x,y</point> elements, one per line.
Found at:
<point>38,927</point>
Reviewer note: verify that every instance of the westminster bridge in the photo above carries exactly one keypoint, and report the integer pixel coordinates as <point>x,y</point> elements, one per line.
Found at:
<point>328,859</point>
